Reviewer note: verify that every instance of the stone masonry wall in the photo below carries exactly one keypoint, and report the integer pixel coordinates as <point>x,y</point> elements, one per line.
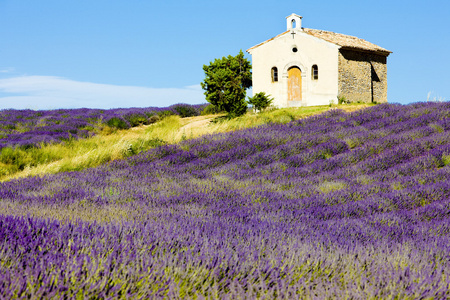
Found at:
<point>362,76</point>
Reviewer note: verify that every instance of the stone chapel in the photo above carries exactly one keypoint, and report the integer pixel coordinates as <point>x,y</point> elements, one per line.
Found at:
<point>304,67</point>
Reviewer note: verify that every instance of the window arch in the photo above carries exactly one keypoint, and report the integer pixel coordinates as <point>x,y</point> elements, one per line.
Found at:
<point>293,24</point>
<point>315,72</point>
<point>274,74</point>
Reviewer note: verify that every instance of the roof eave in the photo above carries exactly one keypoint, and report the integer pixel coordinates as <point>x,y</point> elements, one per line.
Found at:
<point>383,52</point>
<point>260,44</point>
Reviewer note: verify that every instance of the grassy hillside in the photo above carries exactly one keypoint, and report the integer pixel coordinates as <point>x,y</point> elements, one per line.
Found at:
<point>108,144</point>
<point>334,206</point>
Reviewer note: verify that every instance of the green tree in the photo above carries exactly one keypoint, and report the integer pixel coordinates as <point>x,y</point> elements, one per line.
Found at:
<point>226,82</point>
<point>260,101</point>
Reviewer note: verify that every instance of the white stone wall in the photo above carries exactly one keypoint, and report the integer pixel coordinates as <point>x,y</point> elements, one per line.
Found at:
<point>311,51</point>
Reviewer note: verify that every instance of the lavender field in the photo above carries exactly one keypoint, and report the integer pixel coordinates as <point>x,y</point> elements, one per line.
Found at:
<point>30,128</point>
<point>335,206</point>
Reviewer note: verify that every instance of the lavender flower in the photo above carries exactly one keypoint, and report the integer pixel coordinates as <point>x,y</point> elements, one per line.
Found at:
<point>338,205</point>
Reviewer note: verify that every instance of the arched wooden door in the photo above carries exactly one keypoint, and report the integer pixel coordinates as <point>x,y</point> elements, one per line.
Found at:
<point>294,84</point>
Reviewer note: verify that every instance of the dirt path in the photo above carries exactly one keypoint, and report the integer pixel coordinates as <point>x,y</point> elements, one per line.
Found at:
<point>197,123</point>
<point>195,126</point>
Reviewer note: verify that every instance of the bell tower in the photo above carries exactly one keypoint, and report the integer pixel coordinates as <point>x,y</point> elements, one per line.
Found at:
<point>294,22</point>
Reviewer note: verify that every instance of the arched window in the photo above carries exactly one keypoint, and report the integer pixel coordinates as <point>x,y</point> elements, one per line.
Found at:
<point>293,24</point>
<point>315,72</point>
<point>274,74</point>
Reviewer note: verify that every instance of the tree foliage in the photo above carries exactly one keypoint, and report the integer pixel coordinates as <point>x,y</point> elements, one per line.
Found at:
<point>226,82</point>
<point>260,101</point>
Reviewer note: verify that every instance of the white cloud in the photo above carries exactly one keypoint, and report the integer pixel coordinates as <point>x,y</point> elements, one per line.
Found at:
<point>7,70</point>
<point>196,87</point>
<point>48,92</point>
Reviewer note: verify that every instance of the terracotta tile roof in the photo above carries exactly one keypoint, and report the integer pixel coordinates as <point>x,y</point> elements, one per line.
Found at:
<point>345,41</point>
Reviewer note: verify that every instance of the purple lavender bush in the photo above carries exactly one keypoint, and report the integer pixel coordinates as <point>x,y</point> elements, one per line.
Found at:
<point>339,205</point>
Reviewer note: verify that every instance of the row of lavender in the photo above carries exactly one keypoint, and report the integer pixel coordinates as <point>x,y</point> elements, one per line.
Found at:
<point>334,206</point>
<point>30,128</point>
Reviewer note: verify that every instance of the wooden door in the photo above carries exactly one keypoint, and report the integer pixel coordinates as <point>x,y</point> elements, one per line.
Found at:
<point>294,84</point>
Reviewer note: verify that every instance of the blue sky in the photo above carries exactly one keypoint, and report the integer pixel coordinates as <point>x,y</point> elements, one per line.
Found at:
<point>117,53</point>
